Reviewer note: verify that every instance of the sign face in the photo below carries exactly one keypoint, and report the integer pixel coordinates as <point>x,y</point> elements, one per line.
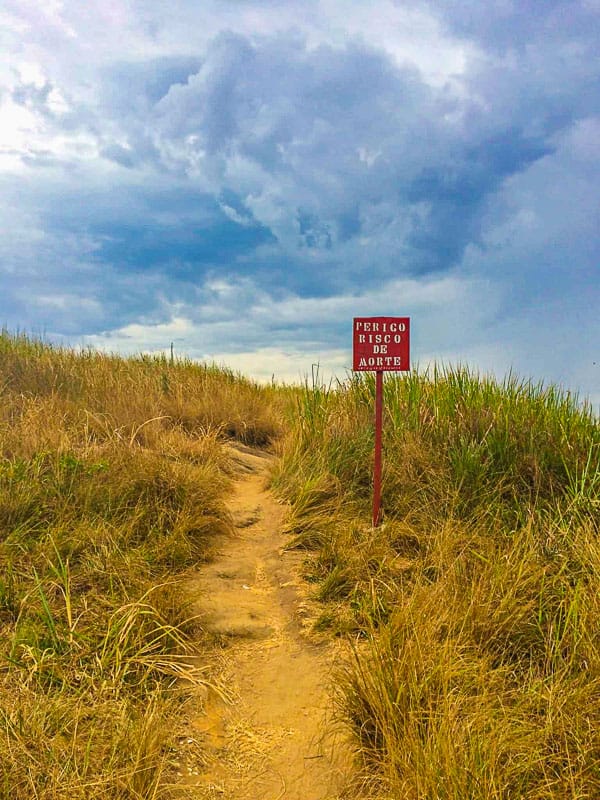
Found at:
<point>381,344</point>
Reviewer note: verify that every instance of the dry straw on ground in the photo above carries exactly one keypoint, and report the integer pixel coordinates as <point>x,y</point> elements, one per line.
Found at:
<point>112,484</point>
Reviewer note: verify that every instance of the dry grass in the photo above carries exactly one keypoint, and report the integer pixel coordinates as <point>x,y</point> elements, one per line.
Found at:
<point>112,485</point>
<point>473,609</point>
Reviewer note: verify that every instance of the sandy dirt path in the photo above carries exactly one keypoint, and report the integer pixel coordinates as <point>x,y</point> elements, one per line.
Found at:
<point>274,739</point>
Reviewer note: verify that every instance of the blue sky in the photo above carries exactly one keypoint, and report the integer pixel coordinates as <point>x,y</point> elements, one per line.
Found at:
<point>242,178</point>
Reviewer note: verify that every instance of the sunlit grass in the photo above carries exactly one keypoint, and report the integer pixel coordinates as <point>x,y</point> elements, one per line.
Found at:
<point>473,610</point>
<point>113,479</point>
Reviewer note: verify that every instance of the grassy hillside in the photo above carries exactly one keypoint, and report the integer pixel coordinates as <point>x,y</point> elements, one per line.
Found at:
<point>474,608</point>
<point>472,611</point>
<point>112,484</point>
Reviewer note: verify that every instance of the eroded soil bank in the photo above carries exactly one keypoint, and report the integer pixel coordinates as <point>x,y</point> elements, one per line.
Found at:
<point>274,737</point>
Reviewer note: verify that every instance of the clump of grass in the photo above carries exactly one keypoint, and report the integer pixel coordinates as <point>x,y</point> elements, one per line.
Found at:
<point>473,608</point>
<point>455,444</point>
<point>133,400</point>
<point>112,484</point>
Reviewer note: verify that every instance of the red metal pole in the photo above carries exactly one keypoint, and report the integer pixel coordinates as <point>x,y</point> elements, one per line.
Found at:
<point>378,430</point>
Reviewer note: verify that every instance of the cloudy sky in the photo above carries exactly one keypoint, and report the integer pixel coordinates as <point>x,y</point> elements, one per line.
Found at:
<point>242,177</point>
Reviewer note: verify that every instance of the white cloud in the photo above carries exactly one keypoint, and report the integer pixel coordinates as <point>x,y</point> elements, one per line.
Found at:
<point>237,323</point>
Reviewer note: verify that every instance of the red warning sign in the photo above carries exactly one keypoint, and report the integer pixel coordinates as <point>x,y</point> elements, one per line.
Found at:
<point>381,344</point>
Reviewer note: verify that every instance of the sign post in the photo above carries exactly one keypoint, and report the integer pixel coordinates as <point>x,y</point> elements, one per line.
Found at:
<point>380,344</point>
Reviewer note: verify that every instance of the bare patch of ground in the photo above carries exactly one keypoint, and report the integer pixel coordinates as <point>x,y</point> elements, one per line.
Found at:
<point>273,738</point>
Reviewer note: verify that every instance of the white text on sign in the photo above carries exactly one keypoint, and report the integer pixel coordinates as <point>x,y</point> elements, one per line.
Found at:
<point>381,343</point>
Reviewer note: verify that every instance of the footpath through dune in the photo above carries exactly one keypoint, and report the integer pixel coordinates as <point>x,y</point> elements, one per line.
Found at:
<point>273,738</point>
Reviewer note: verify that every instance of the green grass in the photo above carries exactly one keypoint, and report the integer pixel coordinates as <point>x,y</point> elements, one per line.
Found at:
<point>473,610</point>
<point>112,484</point>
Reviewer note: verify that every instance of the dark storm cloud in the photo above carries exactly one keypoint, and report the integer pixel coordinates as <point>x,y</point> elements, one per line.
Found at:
<point>320,147</point>
<point>318,141</point>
